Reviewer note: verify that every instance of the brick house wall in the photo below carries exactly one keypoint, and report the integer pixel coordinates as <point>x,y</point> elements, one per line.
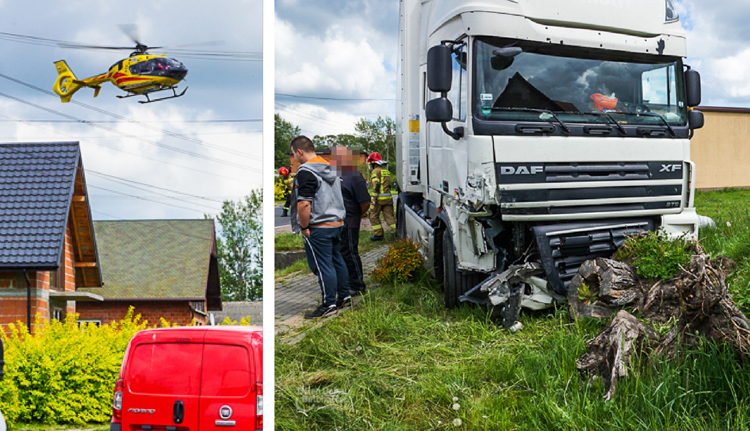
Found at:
<point>13,294</point>
<point>178,312</point>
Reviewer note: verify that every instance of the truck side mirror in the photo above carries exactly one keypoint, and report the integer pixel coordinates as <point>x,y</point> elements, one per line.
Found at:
<point>439,73</point>
<point>693,86</point>
<point>695,119</point>
<point>438,110</point>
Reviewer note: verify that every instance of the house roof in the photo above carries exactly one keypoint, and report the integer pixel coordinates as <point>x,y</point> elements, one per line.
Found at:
<point>42,189</point>
<point>159,260</point>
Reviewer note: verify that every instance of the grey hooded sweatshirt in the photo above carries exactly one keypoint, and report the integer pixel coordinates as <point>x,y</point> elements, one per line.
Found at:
<point>327,206</point>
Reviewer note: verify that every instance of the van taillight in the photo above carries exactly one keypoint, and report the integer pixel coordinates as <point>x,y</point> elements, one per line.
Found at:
<point>117,400</point>
<point>259,406</point>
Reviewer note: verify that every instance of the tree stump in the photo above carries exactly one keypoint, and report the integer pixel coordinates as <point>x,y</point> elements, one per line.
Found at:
<point>616,348</point>
<point>601,287</point>
<point>696,302</point>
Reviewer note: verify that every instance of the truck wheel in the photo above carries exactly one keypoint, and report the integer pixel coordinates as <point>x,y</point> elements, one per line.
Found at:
<point>456,282</point>
<point>450,289</point>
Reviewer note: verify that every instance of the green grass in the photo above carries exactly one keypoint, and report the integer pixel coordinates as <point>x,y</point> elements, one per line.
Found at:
<point>399,358</point>
<point>287,241</point>
<point>730,209</point>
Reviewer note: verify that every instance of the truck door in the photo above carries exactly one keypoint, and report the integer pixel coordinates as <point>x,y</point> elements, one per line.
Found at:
<point>227,388</point>
<point>162,382</point>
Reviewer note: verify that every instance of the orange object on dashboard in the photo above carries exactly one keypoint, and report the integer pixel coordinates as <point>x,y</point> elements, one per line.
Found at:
<point>602,102</point>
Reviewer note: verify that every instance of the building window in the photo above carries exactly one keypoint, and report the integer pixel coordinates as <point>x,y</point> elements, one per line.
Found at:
<point>57,314</point>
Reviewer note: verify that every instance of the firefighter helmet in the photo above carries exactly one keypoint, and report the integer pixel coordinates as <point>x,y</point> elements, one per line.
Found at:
<point>283,171</point>
<point>374,157</point>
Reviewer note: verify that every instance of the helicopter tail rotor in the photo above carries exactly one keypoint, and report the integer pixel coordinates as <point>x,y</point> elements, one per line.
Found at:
<point>67,84</point>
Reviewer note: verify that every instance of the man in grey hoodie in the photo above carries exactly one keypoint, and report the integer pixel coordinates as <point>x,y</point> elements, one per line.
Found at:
<point>317,211</point>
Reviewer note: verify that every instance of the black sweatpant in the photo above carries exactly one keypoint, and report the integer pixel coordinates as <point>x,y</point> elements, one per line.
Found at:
<point>350,252</point>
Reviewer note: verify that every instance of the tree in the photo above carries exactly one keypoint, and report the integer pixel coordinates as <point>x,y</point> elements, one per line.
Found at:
<point>284,132</point>
<point>380,136</point>
<point>340,140</point>
<point>239,246</point>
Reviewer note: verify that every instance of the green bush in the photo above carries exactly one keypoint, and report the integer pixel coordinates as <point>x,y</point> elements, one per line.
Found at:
<point>63,373</point>
<point>654,255</point>
<point>399,263</point>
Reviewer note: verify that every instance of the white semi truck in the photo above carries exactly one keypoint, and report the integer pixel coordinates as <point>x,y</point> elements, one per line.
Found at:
<point>533,135</point>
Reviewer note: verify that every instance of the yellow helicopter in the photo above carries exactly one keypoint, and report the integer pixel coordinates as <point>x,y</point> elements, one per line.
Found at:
<point>141,74</point>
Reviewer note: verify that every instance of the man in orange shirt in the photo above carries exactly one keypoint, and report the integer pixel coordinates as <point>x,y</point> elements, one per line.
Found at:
<point>317,211</point>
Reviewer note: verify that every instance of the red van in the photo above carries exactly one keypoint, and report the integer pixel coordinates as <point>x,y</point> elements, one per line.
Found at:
<point>191,379</point>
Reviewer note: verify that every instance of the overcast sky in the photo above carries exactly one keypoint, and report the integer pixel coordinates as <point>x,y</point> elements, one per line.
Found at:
<point>214,129</point>
<point>337,49</point>
<point>346,49</point>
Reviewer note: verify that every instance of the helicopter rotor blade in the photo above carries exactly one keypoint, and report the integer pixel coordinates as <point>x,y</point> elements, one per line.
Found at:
<point>131,30</point>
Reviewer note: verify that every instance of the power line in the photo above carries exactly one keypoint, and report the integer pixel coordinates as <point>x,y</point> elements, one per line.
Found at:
<point>122,118</point>
<point>187,53</point>
<point>141,155</point>
<point>115,178</point>
<point>148,122</point>
<point>169,147</point>
<point>75,181</point>
<point>310,116</point>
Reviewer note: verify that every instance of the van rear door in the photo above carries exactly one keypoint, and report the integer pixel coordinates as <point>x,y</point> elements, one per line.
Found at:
<point>163,381</point>
<point>228,383</point>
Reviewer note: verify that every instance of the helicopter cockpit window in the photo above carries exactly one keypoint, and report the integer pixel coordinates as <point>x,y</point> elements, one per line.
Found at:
<point>154,66</point>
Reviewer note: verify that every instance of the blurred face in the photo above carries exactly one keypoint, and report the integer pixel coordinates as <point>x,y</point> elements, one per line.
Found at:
<point>343,158</point>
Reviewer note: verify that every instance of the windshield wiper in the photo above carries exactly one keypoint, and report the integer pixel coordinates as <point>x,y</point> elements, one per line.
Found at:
<point>541,111</point>
<point>653,114</point>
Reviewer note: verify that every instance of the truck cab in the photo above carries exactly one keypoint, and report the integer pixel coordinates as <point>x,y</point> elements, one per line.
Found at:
<point>540,132</point>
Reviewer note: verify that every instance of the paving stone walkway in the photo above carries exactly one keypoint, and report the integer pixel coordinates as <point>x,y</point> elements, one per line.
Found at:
<point>296,294</point>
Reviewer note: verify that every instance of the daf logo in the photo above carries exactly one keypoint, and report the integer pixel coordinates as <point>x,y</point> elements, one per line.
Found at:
<point>149,411</point>
<point>670,168</point>
<point>521,170</point>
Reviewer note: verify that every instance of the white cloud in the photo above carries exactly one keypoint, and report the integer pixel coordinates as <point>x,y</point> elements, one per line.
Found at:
<point>339,63</point>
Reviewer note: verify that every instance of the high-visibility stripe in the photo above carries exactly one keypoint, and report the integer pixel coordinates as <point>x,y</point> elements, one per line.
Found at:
<point>377,227</point>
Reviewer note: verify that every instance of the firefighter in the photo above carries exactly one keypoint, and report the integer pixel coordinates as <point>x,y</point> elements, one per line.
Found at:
<point>382,201</point>
<point>287,179</point>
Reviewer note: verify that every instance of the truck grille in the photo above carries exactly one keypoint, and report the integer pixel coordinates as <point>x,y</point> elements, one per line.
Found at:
<point>528,191</point>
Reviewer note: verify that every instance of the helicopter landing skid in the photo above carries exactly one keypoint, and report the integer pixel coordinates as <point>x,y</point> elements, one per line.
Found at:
<point>148,99</point>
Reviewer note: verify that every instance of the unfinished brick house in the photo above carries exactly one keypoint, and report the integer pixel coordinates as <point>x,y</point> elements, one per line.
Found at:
<point>163,268</point>
<point>47,244</point>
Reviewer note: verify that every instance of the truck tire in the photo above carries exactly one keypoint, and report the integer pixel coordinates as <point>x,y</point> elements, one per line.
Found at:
<point>456,282</point>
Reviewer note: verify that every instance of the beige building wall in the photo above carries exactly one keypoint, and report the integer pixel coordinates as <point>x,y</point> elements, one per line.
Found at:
<point>721,149</point>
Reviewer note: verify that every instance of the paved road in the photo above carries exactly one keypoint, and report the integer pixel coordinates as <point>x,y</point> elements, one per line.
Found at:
<point>294,295</point>
<point>278,220</point>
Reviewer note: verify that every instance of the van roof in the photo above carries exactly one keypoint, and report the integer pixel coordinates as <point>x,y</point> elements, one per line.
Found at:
<point>235,328</point>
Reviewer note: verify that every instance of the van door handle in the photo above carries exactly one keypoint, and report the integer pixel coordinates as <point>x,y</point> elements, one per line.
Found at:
<point>220,423</point>
<point>178,411</point>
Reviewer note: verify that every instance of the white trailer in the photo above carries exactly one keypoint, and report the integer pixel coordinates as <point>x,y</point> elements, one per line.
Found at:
<point>533,135</point>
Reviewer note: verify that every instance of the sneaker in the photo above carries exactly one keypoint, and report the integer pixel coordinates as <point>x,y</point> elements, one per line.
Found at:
<point>344,302</point>
<point>376,238</point>
<point>322,311</point>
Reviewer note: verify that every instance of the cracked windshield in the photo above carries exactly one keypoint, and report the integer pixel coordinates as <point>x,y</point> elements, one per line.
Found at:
<point>516,80</point>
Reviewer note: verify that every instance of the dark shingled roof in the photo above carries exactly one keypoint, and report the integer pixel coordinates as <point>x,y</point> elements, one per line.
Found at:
<point>159,260</point>
<point>37,183</point>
